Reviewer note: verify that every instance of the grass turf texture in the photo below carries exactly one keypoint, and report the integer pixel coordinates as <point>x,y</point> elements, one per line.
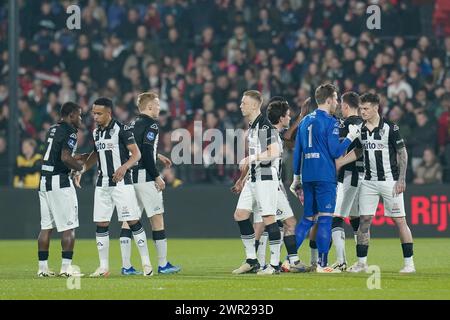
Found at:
<point>206,273</point>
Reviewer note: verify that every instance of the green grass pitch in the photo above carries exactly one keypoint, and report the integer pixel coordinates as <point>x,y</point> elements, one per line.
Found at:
<point>206,274</point>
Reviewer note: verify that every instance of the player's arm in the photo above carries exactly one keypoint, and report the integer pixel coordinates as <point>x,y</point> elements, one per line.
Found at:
<point>68,145</point>
<point>298,152</point>
<point>239,185</point>
<point>402,158</point>
<point>337,148</point>
<point>147,160</point>
<point>127,137</point>
<point>350,157</point>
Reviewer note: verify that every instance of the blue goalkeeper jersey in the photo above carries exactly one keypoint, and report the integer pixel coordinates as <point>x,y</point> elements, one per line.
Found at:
<point>317,146</point>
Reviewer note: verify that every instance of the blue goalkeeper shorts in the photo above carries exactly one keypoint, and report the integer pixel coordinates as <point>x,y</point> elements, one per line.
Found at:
<point>319,197</point>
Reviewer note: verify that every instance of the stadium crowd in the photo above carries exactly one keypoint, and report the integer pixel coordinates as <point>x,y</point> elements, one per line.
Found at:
<point>201,55</point>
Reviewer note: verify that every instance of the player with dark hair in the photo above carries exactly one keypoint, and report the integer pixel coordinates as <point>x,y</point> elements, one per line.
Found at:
<point>349,181</point>
<point>385,164</point>
<point>278,113</point>
<point>115,153</point>
<point>57,195</point>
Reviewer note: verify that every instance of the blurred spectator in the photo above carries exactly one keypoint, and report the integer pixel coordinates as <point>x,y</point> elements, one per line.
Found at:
<point>28,166</point>
<point>430,170</point>
<point>170,178</point>
<point>423,136</point>
<point>397,85</point>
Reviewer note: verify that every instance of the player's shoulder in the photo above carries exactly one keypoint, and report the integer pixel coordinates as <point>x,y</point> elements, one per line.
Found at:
<point>391,125</point>
<point>146,122</point>
<point>265,124</point>
<point>356,120</point>
<point>63,129</point>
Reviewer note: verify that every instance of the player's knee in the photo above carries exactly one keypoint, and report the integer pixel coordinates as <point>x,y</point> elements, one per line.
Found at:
<point>259,229</point>
<point>157,222</point>
<point>289,226</point>
<point>273,231</point>
<point>338,222</point>
<point>325,220</point>
<point>102,229</point>
<point>125,225</point>
<point>240,215</point>
<point>135,226</point>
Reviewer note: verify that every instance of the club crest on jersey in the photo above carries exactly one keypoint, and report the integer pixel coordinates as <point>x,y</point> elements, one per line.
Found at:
<point>151,136</point>
<point>382,132</point>
<point>265,127</point>
<point>71,143</point>
<point>111,132</point>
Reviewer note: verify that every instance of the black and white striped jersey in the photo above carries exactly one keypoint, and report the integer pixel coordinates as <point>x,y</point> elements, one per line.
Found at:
<point>380,151</point>
<point>54,173</point>
<point>111,147</point>
<point>146,134</point>
<point>357,166</point>
<point>261,134</point>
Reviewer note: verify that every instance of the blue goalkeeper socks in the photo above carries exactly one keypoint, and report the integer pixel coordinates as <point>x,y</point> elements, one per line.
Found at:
<point>323,238</point>
<point>301,230</point>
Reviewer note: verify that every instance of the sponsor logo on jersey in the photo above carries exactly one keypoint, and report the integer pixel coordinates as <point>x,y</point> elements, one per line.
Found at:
<point>373,146</point>
<point>112,131</point>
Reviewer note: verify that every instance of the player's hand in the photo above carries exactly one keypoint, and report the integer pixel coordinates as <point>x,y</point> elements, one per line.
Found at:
<point>296,184</point>
<point>166,161</point>
<point>238,186</point>
<point>399,187</point>
<point>160,184</point>
<point>119,174</point>
<point>354,132</point>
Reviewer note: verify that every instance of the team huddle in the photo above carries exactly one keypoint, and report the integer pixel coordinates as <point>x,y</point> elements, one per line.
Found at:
<point>371,160</point>
<point>341,168</point>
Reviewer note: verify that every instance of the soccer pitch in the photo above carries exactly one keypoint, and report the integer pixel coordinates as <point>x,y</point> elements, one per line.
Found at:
<point>206,274</point>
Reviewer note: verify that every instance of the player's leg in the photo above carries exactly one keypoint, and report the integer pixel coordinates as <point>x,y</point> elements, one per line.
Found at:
<point>103,210</point>
<point>152,200</point>
<point>346,200</point>
<point>313,246</point>
<point>307,221</point>
<point>160,240</point>
<point>368,203</point>
<point>128,210</point>
<point>125,250</point>
<point>260,239</point>
<point>286,215</point>
<point>407,244</point>
<point>47,225</point>
<point>242,217</point>
<point>65,205</point>
<point>395,209</point>
<point>325,193</point>
<point>267,200</point>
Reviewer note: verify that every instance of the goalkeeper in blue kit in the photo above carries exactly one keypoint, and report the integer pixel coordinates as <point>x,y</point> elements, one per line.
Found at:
<point>316,148</point>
